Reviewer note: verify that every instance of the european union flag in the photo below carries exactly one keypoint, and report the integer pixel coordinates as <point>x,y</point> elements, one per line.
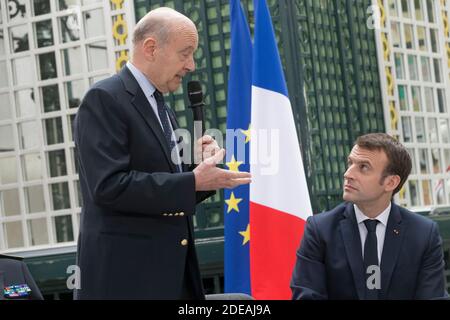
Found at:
<point>236,211</point>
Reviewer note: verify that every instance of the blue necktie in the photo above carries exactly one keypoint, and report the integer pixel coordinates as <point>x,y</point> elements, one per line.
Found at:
<point>162,112</point>
<point>370,255</point>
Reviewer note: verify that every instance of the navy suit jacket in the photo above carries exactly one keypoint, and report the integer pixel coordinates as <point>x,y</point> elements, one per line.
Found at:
<point>13,271</point>
<point>137,209</point>
<point>330,264</point>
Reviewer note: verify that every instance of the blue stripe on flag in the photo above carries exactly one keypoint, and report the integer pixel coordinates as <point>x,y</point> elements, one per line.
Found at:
<point>267,69</point>
<point>237,256</point>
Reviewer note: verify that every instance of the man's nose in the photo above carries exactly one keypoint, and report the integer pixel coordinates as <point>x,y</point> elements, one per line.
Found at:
<point>190,65</point>
<point>349,173</point>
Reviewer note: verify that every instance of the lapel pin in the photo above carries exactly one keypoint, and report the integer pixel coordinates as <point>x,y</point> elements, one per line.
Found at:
<point>396,232</point>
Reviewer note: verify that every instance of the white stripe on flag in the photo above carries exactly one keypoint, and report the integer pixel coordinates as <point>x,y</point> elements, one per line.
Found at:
<point>286,189</point>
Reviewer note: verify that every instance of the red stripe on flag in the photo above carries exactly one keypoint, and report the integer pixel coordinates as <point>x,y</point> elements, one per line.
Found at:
<point>274,240</point>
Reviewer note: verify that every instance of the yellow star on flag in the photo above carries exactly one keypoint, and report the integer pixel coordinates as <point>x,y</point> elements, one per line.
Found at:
<point>233,203</point>
<point>246,235</point>
<point>247,134</point>
<point>233,165</point>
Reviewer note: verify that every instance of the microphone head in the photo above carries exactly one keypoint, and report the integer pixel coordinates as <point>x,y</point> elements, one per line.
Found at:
<point>195,93</point>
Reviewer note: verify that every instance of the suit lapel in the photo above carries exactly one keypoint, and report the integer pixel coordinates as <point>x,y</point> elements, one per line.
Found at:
<point>141,103</point>
<point>352,243</point>
<point>391,248</point>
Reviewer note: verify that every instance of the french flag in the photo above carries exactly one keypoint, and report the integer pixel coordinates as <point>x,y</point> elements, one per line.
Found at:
<point>264,223</point>
<point>279,198</point>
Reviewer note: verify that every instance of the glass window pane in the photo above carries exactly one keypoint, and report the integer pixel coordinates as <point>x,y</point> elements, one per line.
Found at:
<point>403,98</point>
<point>409,36</point>
<point>426,69</point>
<point>72,62</point>
<point>25,103</point>
<point>4,78</point>
<point>399,66</point>
<point>436,159</point>
<point>393,10</point>
<point>44,33</point>
<point>420,129</point>
<point>443,129</point>
<point>47,66</point>
<point>8,172</point>
<point>53,131</point>
<point>433,130</point>
<point>426,192</point>
<point>437,70</point>
<point>18,36</point>
<point>2,43</point>
<point>10,204</point>
<point>34,199</point>
<point>439,191</point>
<point>70,29</point>
<point>66,4</point>
<point>74,160</point>
<point>14,234</point>
<point>57,163</point>
<point>405,9</point>
<point>5,107</point>
<point>50,97</point>
<point>416,97</point>
<point>74,92</point>
<point>418,9</point>
<point>407,130</point>
<point>441,101</point>
<point>32,166</point>
<point>413,192</point>
<point>412,65</point>
<point>422,37</point>
<point>70,120</point>
<point>17,11</point>
<point>94,25</point>
<point>430,10</point>
<point>97,56</point>
<point>37,231</point>
<point>396,35</point>
<point>6,138</point>
<point>423,161</point>
<point>429,99</point>
<point>29,134</point>
<point>434,40</point>
<point>60,196</point>
<point>447,159</point>
<point>41,7</point>
<point>23,71</point>
<point>63,228</point>
<point>78,196</point>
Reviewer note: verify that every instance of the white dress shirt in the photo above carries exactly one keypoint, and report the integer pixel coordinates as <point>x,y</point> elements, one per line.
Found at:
<point>380,231</point>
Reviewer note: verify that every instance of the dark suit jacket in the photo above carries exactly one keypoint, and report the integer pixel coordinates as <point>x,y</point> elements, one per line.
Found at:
<point>136,209</point>
<point>330,264</point>
<point>13,271</point>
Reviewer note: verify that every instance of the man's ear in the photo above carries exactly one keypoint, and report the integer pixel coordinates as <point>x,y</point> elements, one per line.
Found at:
<point>391,182</point>
<point>149,48</point>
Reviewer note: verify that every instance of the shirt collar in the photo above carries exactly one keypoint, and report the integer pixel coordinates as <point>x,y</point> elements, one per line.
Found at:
<point>142,80</point>
<point>382,217</point>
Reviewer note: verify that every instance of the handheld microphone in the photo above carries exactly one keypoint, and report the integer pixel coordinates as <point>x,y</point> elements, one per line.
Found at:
<point>195,96</point>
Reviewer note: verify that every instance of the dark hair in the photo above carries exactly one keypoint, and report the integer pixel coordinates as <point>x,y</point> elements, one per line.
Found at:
<point>399,160</point>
